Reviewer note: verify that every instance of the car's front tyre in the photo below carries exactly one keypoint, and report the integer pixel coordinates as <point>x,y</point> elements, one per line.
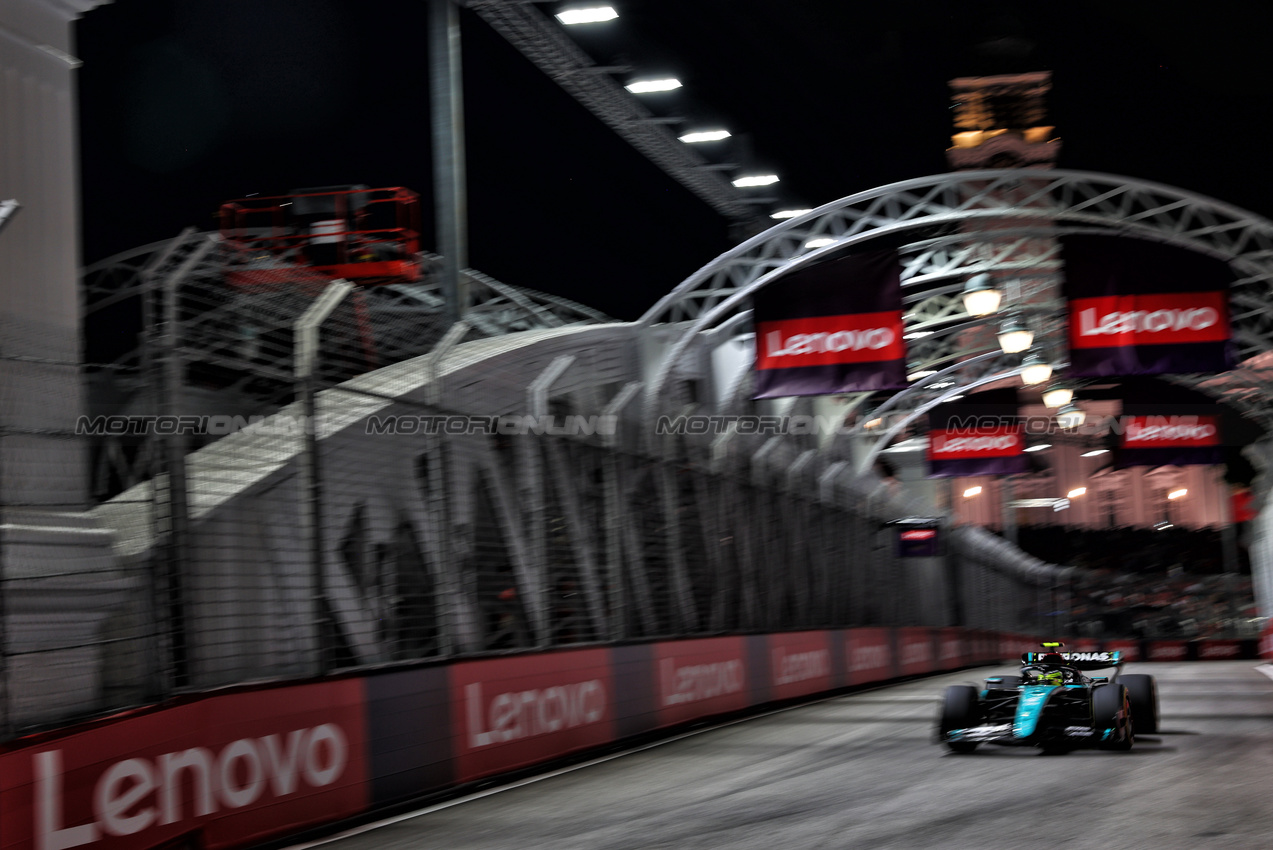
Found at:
<point>1112,713</point>
<point>1142,691</point>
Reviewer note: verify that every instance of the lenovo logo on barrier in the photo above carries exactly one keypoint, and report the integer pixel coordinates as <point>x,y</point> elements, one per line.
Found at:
<point>1119,320</point>
<point>138,793</point>
<point>868,657</point>
<point>823,340</point>
<point>700,681</point>
<point>524,714</point>
<point>801,666</point>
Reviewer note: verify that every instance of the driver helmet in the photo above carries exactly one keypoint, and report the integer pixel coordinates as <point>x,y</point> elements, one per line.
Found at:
<point>1051,677</point>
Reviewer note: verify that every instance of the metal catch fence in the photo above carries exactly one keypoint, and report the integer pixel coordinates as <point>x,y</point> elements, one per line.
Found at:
<point>292,477</point>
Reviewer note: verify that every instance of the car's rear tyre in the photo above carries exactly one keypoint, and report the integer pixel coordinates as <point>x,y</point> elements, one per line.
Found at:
<point>1142,690</point>
<point>1112,710</point>
<point>960,709</point>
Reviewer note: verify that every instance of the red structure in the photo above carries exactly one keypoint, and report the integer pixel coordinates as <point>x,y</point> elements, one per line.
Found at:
<point>366,236</point>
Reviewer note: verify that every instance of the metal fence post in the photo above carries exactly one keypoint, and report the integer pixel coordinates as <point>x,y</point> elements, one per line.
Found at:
<point>172,505</point>
<point>7,209</point>
<point>614,513</point>
<point>306,333</point>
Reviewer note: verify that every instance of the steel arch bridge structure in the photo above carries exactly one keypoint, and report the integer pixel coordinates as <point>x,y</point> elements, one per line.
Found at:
<point>951,226</point>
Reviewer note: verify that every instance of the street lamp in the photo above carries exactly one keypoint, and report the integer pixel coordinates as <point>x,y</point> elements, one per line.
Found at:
<point>1014,336</point>
<point>1057,396</point>
<point>1070,416</point>
<point>1035,370</point>
<point>980,296</point>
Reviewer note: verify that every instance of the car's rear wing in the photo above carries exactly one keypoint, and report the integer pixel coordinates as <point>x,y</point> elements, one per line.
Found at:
<point>1081,660</point>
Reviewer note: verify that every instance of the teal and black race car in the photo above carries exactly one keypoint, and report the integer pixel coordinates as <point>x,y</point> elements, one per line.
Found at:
<point>1052,705</point>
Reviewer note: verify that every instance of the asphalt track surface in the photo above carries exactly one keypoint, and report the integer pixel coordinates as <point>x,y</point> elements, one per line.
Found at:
<point>861,771</point>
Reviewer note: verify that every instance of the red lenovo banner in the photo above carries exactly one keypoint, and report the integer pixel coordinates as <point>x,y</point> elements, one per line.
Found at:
<point>834,327</point>
<point>918,542</point>
<point>954,648</point>
<point>1144,308</point>
<point>915,652</point>
<point>1164,424</point>
<point>869,655</point>
<point>1167,650</point>
<point>1129,648</point>
<point>511,712</point>
<point>700,677</point>
<point>237,768</point>
<point>799,664</point>
<point>979,435</point>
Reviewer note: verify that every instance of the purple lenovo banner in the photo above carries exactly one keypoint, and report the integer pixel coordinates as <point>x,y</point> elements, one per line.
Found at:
<point>834,327</point>
<point>981,434</point>
<point>1144,308</point>
<point>1168,425</point>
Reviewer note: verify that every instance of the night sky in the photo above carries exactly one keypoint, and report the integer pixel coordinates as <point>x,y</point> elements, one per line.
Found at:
<point>188,103</point>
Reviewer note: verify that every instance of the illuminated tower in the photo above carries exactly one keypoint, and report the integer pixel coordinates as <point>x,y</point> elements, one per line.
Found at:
<point>1002,122</point>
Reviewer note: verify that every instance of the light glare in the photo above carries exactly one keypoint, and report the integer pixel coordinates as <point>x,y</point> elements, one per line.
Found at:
<point>1058,397</point>
<point>1070,416</point>
<point>1095,452</point>
<point>972,491</point>
<point>782,214</point>
<point>1076,492</point>
<point>1178,494</point>
<point>818,243</point>
<point>705,136</point>
<point>1038,448</point>
<point>646,86</point>
<point>756,180</point>
<point>591,15</point>
<point>982,302</point>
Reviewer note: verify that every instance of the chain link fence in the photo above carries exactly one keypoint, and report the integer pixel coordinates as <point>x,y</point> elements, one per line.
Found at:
<point>292,477</point>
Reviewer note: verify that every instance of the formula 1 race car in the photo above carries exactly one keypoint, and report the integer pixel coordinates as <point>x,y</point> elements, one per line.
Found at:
<point>1052,705</point>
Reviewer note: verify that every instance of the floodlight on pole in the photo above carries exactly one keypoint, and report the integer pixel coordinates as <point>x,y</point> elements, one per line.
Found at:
<point>705,136</point>
<point>1035,370</point>
<point>1014,336</point>
<point>587,15</point>
<point>756,180</point>
<point>648,86</point>
<point>1070,416</point>
<point>981,298</point>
